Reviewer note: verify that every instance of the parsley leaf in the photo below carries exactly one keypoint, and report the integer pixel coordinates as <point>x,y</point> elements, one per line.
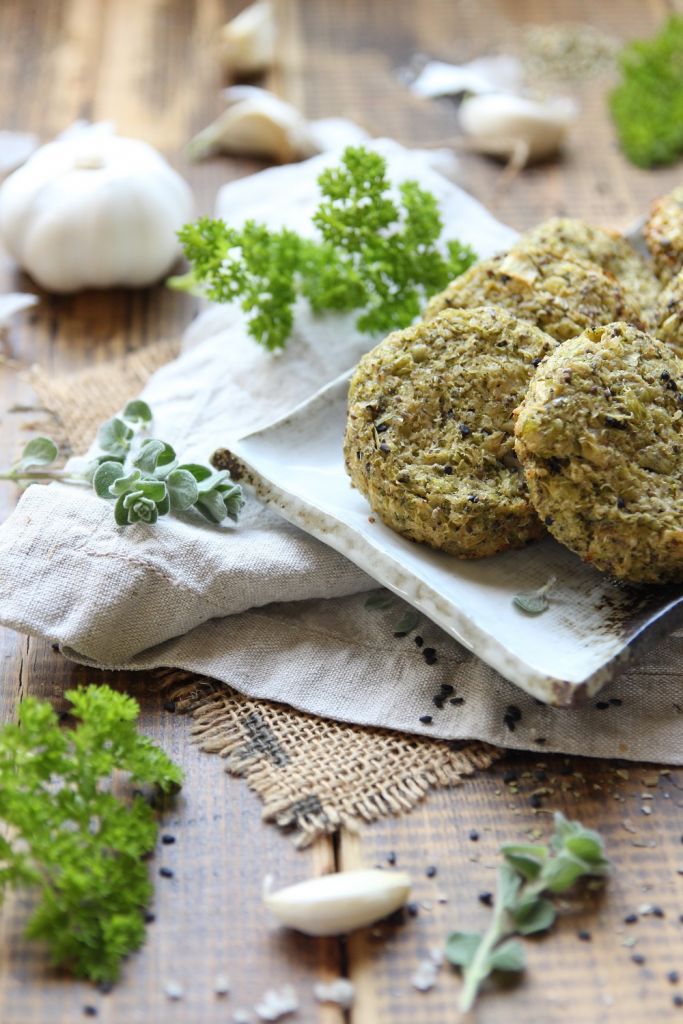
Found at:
<point>70,836</point>
<point>373,253</point>
<point>647,107</point>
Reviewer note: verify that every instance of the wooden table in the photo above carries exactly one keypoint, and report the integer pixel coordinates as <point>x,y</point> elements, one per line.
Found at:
<point>150,66</point>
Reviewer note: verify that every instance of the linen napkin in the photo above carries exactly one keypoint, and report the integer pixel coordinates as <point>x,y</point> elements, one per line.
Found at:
<point>261,605</point>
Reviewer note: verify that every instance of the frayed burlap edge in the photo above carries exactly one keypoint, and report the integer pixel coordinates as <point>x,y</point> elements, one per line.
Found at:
<point>313,775</point>
<point>316,775</point>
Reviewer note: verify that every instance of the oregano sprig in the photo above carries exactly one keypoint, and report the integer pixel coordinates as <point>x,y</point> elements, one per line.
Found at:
<point>529,874</point>
<point>142,475</point>
<point>372,253</point>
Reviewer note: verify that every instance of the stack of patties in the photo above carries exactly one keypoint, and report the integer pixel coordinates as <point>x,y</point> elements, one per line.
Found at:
<point>598,459</point>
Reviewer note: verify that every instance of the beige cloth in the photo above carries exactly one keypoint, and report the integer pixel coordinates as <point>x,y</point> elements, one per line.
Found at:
<point>263,606</point>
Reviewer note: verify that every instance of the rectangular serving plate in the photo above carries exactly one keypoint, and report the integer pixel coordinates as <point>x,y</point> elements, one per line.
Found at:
<point>589,633</point>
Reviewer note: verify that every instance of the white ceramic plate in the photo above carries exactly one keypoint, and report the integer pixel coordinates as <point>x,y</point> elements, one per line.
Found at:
<point>590,631</point>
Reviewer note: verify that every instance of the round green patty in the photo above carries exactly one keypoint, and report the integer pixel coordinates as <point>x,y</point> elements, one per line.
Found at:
<point>429,438</point>
<point>664,234</point>
<point>570,238</point>
<point>561,296</point>
<point>669,314</point>
<point>600,436</point>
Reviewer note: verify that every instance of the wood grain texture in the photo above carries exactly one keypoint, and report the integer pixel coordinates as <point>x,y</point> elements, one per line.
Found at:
<point>151,65</point>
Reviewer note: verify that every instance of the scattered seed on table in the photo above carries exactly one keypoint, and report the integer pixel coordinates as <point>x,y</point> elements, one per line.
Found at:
<point>678,999</point>
<point>630,919</point>
<point>173,990</point>
<point>221,985</point>
<point>429,655</point>
<point>674,977</point>
<point>412,909</point>
<point>149,917</point>
<point>584,936</point>
<point>431,871</point>
<point>438,701</point>
<point>447,688</point>
<point>474,835</point>
<point>419,641</point>
<point>166,872</point>
<point>168,840</point>
<point>89,1011</point>
<point>536,801</point>
<point>426,719</point>
<point>486,898</point>
<point>637,958</point>
<point>169,705</point>
<point>391,857</point>
<point>457,701</point>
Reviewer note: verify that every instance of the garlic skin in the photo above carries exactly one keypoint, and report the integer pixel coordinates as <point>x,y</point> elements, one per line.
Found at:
<point>14,302</point>
<point>500,122</point>
<point>94,210</point>
<point>248,41</point>
<point>339,903</point>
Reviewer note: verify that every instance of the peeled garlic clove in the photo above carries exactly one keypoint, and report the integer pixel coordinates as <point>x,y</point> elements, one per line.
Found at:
<point>501,121</point>
<point>257,123</point>
<point>248,41</point>
<point>339,903</point>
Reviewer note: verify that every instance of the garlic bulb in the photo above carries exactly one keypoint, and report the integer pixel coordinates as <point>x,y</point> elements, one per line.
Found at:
<point>339,903</point>
<point>94,210</point>
<point>503,124</point>
<point>248,41</point>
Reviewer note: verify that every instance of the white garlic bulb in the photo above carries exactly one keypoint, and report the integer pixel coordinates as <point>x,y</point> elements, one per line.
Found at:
<point>499,123</point>
<point>248,41</point>
<point>341,902</point>
<point>94,210</point>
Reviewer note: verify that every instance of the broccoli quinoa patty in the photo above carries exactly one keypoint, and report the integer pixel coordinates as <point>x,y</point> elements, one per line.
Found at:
<point>570,238</point>
<point>563,297</point>
<point>669,315</point>
<point>429,438</point>
<point>600,436</point>
<point>664,234</point>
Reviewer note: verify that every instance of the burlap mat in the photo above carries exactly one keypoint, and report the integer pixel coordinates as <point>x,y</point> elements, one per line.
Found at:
<point>313,775</point>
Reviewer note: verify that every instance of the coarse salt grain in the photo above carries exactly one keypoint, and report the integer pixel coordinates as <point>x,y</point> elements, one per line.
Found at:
<point>424,977</point>
<point>340,991</point>
<point>173,990</point>
<point>221,985</point>
<point>277,1003</point>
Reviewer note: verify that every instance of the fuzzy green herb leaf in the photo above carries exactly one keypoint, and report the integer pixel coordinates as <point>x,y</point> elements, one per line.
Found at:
<point>70,838</point>
<point>647,107</point>
<point>520,908</point>
<point>40,451</point>
<point>373,254</point>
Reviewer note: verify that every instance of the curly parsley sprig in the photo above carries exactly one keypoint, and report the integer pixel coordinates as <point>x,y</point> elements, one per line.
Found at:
<point>372,254</point>
<point>143,476</point>
<point>71,839</point>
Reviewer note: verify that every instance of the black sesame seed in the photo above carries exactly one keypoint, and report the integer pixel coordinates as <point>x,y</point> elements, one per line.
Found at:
<point>584,936</point>
<point>631,919</point>
<point>536,361</point>
<point>677,999</point>
<point>541,740</point>
<point>510,777</point>
<point>614,423</point>
<point>616,702</point>
<point>486,898</point>
<point>438,701</point>
<point>167,839</point>
<point>447,688</point>
<point>514,712</point>
<point>391,857</point>
<point>55,647</point>
<point>510,722</point>
<point>382,428</point>
<point>536,801</point>
<point>148,917</point>
<point>384,447</point>
<point>426,719</point>
<point>601,705</point>
<point>166,872</point>
<point>657,912</point>
<point>448,470</point>
<point>412,909</point>
<point>638,958</point>
<point>169,705</point>
<point>89,1011</point>
<point>554,464</point>
<point>429,655</point>
<point>473,498</point>
<point>665,375</point>
<point>431,871</point>
<point>548,520</point>
<point>474,835</point>
<point>621,503</point>
<point>674,977</point>
<point>105,987</point>
<point>419,641</point>
<point>465,431</point>
<point>457,701</point>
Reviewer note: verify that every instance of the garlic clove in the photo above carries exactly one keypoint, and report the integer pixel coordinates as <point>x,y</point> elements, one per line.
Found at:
<point>256,123</point>
<point>248,41</point>
<point>339,903</point>
<point>499,122</point>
